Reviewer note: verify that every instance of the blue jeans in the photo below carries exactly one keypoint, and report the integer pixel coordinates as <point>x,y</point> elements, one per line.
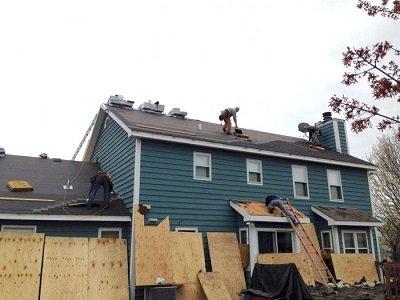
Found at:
<point>279,204</point>
<point>93,192</point>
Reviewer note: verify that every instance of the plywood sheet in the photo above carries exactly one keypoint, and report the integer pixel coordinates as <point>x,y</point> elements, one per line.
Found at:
<point>191,291</point>
<point>254,208</point>
<point>65,266</point>
<point>350,268</point>
<point>20,265</point>
<point>300,259</point>
<point>153,257</point>
<point>310,230</point>
<point>108,269</point>
<point>213,286</point>
<point>225,259</point>
<point>187,256</point>
<point>244,255</point>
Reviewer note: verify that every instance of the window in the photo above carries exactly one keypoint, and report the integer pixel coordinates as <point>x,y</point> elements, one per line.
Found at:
<point>186,229</point>
<point>115,233</point>
<point>18,228</point>
<point>243,236</point>
<point>275,242</point>
<point>355,242</point>
<point>326,240</point>
<point>300,182</point>
<point>202,166</point>
<point>335,185</point>
<point>254,172</point>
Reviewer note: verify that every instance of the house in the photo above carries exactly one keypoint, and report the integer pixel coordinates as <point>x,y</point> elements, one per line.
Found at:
<point>207,181</point>
<point>47,204</point>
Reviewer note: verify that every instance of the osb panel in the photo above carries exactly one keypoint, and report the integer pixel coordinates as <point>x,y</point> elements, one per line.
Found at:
<point>108,269</point>
<point>191,291</point>
<point>187,256</point>
<point>244,255</point>
<point>153,257</point>
<point>301,261</point>
<point>213,286</point>
<point>350,268</point>
<point>225,259</point>
<point>310,230</point>
<point>260,209</point>
<point>20,265</point>
<point>65,266</point>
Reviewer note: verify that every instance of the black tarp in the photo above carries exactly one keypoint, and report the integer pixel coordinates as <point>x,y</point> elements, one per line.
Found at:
<point>281,281</point>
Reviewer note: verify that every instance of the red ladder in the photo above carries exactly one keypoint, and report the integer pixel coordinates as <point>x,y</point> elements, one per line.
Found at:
<point>310,248</point>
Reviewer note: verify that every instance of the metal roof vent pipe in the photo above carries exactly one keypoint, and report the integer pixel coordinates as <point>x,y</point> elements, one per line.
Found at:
<point>2,152</point>
<point>326,116</point>
<point>119,101</point>
<point>154,108</point>
<point>177,113</point>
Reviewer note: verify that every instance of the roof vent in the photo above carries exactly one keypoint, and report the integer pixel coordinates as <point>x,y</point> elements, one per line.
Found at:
<point>43,155</point>
<point>154,108</point>
<point>119,101</point>
<point>2,152</point>
<point>177,113</point>
<point>57,160</point>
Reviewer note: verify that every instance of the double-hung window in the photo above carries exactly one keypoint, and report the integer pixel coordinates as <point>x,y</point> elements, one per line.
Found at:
<point>202,166</point>
<point>275,242</point>
<point>326,240</point>
<point>18,228</point>
<point>254,172</point>
<point>300,182</point>
<point>243,235</point>
<point>355,242</point>
<point>110,232</point>
<point>335,185</point>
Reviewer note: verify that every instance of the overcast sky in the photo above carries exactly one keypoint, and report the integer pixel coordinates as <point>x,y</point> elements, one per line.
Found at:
<point>280,61</point>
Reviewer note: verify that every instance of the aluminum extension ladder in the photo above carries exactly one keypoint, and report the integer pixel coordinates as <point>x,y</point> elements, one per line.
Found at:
<point>310,248</point>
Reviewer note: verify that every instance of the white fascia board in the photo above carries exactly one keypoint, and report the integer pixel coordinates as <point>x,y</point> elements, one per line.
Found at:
<point>250,218</point>
<point>37,217</point>
<point>332,222</point>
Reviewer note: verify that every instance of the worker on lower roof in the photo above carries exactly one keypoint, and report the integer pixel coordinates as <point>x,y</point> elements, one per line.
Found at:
<point>226,115</point>
<point>273,201</point>
<point>100,179</point>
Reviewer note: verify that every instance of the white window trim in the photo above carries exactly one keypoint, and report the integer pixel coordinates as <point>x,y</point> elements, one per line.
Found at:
<point>295,240</point>
<point>101,229</point>
<point>241,229</point>
<point>186,229</point>
<point>194,166</point>
<point>261,172</point>
<point>330,238</point>
<point>329,186</point>
<point>34,227</point>
<point>354,232</point>
<point>294,185</point>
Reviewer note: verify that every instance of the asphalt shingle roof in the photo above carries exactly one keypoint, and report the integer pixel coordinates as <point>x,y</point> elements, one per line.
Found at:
<point>346,214</point>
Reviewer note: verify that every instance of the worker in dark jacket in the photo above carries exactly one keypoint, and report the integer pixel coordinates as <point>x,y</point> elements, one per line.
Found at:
<point>100,179</point>
<point>226,115</point>
<point>273,201</point>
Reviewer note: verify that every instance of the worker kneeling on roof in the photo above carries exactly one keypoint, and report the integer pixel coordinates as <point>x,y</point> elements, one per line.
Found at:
<point>100,179</point>
<point>226,115</point>
<point>273,201</point>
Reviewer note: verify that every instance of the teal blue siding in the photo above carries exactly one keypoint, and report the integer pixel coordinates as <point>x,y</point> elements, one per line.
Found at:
<point>342,136</point>
<point>327,138</point>
<point>115,153</point>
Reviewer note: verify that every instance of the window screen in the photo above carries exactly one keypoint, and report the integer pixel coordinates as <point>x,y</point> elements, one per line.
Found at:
<point>254,171</point>
<point>335,184</point>
<point>300,180</point>
<point>202,166</point>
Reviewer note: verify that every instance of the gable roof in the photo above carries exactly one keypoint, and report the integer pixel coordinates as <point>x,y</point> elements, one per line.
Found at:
<point>162,127</point>
<point>47,178</point>
<point>345,216</point>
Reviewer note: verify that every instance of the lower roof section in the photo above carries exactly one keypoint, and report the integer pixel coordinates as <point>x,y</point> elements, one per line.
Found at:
<point>81,218</point>
<point>256,211</point>
<point>345,216</point>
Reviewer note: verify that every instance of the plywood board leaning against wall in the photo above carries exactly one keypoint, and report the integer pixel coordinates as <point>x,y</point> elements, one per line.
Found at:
<point>187,256</point>
<point>244,255</point>
<point>108,269</point>
<point>310,230</point>
<point>299,259</point>
<point>350,268</point>
<point>65,267</point>
<point>213,286</point>
<point>225,259</point>
<point>191,291</point>
<point>153,257</point>
<point>20,265</point>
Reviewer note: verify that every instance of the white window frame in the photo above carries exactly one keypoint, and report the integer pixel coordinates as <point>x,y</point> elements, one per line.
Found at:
<point>186,229</point>
<point>355,240</point>
<point>295,240</point>
<point>194,166</point>
<point>101,229</point>
<point>241,229</point>
<point>34,227</point>
<point>248,173</point>
<point>294,183</point>
<point>330,238</point>
<point>329,185</point>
